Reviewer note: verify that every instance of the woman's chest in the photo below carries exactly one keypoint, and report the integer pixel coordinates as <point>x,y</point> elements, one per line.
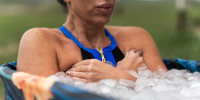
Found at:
<point>68,57</point>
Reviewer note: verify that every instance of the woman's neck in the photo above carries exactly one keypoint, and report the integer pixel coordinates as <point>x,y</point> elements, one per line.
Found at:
<point>89,34</point>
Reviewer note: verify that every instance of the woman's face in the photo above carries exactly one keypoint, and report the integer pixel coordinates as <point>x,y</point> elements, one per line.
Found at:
<point>96,12</point>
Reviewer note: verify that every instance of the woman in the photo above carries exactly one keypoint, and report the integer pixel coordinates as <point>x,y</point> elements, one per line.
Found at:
<point>82,40</point>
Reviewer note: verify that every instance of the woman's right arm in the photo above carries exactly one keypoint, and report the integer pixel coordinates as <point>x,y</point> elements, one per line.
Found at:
<point>37,54</point>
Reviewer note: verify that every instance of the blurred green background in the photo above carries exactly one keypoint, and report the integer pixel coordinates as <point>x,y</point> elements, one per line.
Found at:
<point>159,18</point>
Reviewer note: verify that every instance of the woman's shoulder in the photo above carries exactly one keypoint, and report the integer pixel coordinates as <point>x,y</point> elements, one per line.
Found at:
<point>43,38</point>
<point>52,38</point>
<point>128,33</point>
<point>132,37</point>
<point>127,30</point>
<point>40,33</point>
<point>37,38</point>
<point>49,35</point>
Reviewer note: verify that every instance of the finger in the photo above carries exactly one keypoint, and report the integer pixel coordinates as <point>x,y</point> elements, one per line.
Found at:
<point>129,52</point>
<point>136,63</point>
<point>142,64</point>
<point>123,64</point>
<point>84,62</point>
<point>83,75</point>
<point>80,69</point>
<point>125,53</point>
<point>80,79</point>
<point>133,56</point>
<point>139,53</point>
<point>133,50</point>
<point>119,64</point>
<point>139,62</point>
<point>128,61</point>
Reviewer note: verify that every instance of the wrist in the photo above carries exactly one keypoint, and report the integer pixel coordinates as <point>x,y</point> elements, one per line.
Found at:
<point>129,77</point>
<point>121,74</point>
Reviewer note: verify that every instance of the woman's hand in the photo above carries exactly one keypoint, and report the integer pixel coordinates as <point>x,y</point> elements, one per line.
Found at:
<point>94,70</point>
<point>132,61</point>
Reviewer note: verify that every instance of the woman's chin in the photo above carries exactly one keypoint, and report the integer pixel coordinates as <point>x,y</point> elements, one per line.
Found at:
<point>101,22</point>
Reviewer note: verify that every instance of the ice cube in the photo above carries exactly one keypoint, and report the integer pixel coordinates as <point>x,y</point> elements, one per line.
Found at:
<point>90,86</point>
<point>190,92</point>
<point>127,83</point>
<point>160,71</point>
<point>171,75</point>
<point>146,74</point>
<point>141,83</point>
<point>79,83</point>
<point>105,89</point>
<point>142,69</point>
<point>172,85</point>
<point>164,85</point>
<point>54,77</point>
<point>133,73</point>
<point>60,74</point>
<point>122,87</point>
<point>108,82</point>
<point>197,74</point>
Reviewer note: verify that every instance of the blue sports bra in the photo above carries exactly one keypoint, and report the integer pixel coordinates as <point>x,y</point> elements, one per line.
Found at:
<point>110,54</point>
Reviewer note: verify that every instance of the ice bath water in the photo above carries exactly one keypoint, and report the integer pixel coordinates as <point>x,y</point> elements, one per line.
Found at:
<point>172,85</point>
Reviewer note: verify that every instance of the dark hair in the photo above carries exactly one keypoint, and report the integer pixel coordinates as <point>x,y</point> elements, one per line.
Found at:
<point>64,5</point>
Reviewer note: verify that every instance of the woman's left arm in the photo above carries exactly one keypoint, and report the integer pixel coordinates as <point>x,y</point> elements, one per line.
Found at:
<point>151,54</point>
<point>135,38</point>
